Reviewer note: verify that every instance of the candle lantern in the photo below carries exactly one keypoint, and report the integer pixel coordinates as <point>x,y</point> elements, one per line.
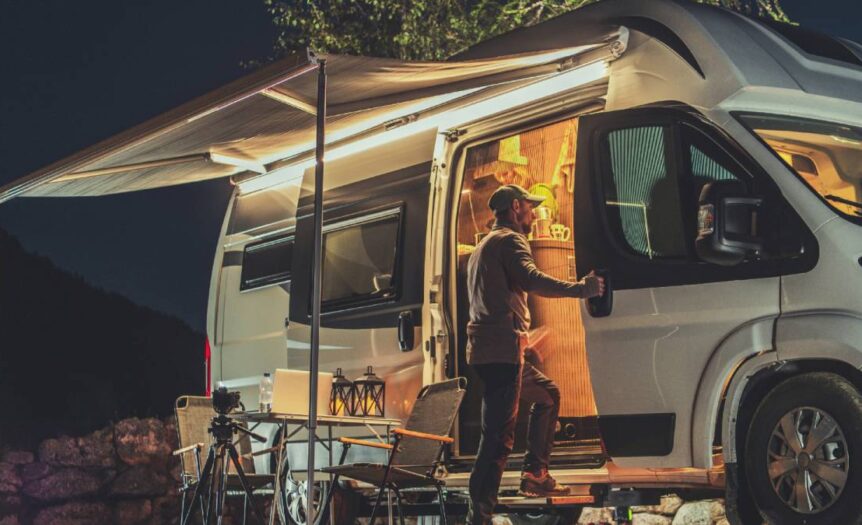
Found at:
<point>370,395</point>
<point>342,397</point>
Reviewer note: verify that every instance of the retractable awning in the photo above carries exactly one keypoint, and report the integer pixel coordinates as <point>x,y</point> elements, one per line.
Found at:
<point>251,124</point>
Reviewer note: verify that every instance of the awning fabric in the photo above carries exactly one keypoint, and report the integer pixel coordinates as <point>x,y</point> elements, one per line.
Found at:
<point>269,115</point>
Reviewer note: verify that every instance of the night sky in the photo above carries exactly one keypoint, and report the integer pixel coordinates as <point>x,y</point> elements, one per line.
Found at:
<point>74,73</point>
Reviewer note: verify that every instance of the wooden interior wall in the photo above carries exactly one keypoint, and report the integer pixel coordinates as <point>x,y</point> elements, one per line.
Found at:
<point>540,156</point>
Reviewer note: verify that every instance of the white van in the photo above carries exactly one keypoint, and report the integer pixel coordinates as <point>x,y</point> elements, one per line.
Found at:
<point>709,162</point>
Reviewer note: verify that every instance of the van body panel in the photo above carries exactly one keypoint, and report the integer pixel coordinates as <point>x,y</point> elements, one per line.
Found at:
<point>391,178</point>
<point>748,340</point>
<point>656,342</point>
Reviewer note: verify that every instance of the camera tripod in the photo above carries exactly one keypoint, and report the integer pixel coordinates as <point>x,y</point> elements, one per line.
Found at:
<point>211,489</point>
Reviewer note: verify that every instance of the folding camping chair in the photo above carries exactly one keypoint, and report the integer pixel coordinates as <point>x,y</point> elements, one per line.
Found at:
<point>415,453</point>
<point>194,415</point>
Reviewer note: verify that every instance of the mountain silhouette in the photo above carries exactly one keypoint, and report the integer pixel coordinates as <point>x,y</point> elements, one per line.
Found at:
<point>74,357</point>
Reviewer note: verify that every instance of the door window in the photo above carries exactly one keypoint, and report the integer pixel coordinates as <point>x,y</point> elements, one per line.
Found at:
<point>642,193</point>
<point>652,189</point>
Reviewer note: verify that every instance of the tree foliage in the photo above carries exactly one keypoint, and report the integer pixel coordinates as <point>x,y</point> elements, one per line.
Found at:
<point>425,29</point>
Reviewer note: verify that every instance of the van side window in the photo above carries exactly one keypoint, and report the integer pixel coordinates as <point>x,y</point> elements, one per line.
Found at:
<point>642,197</point>
<point>359,260</point>
<point>267,262</point>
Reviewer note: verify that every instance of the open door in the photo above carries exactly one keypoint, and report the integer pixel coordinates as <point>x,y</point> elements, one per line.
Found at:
<point>541,159</point>
<point>638,179</point>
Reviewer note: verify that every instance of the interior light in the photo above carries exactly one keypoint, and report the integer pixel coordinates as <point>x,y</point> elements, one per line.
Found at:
<point>458,116</point>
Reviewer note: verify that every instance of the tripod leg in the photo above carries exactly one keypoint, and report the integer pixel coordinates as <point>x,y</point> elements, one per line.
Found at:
<point>221,495</point>
<point>201,482</point>
<point>244,482</point>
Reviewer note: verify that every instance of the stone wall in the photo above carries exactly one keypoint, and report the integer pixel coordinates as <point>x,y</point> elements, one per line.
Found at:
<point>121,474</point>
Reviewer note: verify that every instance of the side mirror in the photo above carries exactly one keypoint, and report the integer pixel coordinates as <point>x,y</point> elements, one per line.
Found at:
<point>406,338</point>
<point>727,223</point>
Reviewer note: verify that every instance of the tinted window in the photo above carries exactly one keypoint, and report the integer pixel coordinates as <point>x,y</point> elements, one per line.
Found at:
<point>359,260</point>
<point>268,262</point>
<point>652,201</point>
<point>642,192</point>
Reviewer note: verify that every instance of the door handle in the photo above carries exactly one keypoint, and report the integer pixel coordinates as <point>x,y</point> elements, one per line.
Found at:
<point>602,305</point>
<point>406,338</point>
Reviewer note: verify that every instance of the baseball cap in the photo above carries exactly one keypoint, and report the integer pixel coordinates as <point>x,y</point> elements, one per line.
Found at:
<point>504,195</point>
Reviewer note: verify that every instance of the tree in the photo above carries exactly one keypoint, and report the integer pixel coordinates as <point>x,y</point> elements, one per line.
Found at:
<point>425,29</point>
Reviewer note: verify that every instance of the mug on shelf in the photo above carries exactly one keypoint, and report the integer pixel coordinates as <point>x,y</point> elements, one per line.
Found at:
<point>561,232</point>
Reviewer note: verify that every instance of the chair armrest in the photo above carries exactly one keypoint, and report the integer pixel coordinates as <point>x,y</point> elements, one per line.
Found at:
<point>179,451</point>
<point>422,435</point>
<point>374,444</point>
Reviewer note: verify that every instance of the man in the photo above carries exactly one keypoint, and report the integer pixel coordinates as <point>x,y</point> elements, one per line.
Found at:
<point>500,273</point>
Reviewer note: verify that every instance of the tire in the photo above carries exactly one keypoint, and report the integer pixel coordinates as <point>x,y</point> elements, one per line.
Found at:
<point>782,438</point>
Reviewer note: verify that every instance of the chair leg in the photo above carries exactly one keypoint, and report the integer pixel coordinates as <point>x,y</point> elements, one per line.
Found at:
<point>385,483</point>
<point>442,503</point>
<point>345,447</point>
<point>244,508</point>
<point>398,504</point>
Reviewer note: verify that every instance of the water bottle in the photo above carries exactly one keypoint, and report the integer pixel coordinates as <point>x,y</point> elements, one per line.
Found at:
<point>266,393</point>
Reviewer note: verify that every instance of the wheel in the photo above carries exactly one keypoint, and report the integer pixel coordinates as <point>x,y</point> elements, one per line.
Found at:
<point>803,452</point>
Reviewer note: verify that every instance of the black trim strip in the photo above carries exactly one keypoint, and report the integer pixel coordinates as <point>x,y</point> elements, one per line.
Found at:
<point>630,435</point>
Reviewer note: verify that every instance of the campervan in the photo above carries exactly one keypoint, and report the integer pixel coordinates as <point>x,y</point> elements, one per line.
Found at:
<point>709,162</point>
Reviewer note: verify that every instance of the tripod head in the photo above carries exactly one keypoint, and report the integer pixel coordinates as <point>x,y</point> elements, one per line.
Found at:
<point>223,428</point>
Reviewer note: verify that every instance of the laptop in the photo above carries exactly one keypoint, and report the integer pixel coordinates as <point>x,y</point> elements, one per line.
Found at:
<point>290,392</point>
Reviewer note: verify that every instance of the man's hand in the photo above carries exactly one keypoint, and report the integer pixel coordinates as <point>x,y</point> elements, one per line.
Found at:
<point>594,284</point>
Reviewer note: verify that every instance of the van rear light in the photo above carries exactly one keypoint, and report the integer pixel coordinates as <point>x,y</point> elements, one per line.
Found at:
<point>207,367</point>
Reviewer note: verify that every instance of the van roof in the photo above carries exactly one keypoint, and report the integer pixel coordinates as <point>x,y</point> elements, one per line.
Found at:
<point>255,123</point>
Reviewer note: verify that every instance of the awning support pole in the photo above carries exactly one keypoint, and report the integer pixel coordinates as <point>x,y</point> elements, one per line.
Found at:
<point>317,263</point>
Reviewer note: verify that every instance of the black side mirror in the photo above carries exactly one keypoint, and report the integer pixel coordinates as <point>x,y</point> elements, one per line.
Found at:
<point>406,338</point>
<point>727,223</point>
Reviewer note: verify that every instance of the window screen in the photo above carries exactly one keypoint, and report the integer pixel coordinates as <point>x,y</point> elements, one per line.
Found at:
<point>642,192</point>
<point>359,260</point>
<point>268,262</point>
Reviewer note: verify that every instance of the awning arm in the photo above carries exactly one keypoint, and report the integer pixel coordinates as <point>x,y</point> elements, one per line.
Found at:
<point>291,99</point>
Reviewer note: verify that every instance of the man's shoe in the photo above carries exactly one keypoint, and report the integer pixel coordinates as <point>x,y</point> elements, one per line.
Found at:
<point>541,485</point>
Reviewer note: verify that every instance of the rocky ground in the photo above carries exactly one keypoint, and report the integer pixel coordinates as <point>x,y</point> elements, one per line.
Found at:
<point>125,474</point>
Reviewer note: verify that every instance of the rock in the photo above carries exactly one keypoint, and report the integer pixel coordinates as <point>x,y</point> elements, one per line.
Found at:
<point>133,512</point>
<point>17,457</point>
<point>10,481</point>
<point>500,519</point>
<point>9,504</point>
<point>63,484</point>
<point>9,520</point>
<point>596,515</point>
<point>171,434</point>
<point>139,481</point>
<point>670,504</point>
<point>34,471</point>
<point>74,513</point>
<point>142,441</point>
<point>722,521</point>
<point>651,519</point>
<point>94,450</point>
<point>705,512</point>
<point>166,510</point>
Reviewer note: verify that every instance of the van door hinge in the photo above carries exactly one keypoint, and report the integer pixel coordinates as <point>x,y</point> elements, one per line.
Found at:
<point>452,135</point>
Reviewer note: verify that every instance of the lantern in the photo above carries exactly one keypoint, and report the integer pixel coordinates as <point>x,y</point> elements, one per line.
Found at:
<point>342,397</point>
<point>370,395</point>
